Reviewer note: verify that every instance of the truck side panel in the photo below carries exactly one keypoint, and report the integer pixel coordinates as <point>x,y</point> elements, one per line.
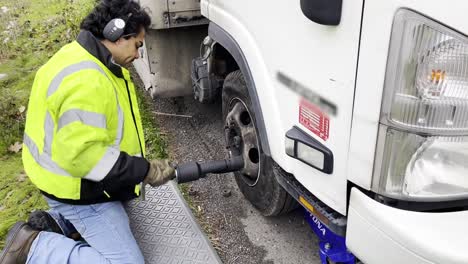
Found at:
<point>279,41</point>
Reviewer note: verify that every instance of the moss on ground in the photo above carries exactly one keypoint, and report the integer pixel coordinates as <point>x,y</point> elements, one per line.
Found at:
<point>17,195</point>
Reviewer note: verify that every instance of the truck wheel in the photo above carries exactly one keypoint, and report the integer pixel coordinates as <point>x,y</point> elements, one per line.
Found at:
<point>256,180</point>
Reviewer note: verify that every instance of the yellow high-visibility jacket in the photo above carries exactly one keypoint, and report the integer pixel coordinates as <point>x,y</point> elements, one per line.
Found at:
<point>83,140</point>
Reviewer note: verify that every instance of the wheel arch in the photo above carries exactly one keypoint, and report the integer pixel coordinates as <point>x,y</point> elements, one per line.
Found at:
<point>226,41</point>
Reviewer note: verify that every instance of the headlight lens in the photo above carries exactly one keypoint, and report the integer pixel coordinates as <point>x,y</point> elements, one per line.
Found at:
<point>427,77</point>
<point>423,168</point>
<point>422,151</point>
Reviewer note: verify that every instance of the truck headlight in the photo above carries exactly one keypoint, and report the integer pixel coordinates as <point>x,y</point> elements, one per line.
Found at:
<point>422,150</point>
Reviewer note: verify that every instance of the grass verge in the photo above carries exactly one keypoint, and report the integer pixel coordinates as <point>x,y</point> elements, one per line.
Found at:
<point>154,143</point>
<point>17,195</point>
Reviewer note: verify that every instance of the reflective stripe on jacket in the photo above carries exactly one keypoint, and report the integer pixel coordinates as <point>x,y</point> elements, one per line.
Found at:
<point>83,138</point>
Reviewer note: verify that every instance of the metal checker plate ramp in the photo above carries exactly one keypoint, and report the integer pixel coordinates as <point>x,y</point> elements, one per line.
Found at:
<point>166,229</point>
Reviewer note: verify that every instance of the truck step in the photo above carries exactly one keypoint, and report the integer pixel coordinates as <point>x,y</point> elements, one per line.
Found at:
<point>335,221</point>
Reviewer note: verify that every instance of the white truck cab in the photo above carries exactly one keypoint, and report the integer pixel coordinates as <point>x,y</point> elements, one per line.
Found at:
<point>356,109</point>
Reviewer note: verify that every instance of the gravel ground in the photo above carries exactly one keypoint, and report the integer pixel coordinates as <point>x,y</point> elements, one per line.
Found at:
<point>239,233</point>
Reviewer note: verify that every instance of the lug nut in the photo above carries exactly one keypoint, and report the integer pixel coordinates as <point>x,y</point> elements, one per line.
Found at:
<point>226,192</point>
<point>237,141</point>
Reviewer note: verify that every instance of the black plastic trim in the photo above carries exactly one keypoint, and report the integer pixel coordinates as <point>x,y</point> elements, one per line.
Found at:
<point>357,63</point>
<point>434,207</point>
<point>298,135</point>
<point>415,206</point>
<point>230,44</point>
<point>333,220</point>
<point>324,12</point>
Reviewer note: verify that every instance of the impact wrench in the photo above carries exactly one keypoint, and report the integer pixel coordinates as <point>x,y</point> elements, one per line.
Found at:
<point>192,171</point>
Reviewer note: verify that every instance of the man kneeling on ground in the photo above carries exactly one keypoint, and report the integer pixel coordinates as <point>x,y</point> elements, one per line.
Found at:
<point>84,146</point>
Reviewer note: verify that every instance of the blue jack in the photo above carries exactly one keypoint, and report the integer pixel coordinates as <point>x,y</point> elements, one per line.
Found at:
<point>332,246</point>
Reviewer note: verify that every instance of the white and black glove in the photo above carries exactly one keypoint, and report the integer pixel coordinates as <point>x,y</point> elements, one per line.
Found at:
<point>160,172</point>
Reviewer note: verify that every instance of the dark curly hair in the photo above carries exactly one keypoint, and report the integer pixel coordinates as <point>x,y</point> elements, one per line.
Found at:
<point>135,17</point>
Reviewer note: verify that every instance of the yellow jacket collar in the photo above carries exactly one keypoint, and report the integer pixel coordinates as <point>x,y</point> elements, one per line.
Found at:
<point>87,40</point>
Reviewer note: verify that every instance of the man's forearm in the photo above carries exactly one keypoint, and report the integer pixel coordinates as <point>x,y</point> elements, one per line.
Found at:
<point>127,171</point>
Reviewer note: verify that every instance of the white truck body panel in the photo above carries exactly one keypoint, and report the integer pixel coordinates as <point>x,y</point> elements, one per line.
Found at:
<point>376,28</point>
<point>381,234</point>
<point>346,66</point>
<point>376,233</point>
<point>278,38</point>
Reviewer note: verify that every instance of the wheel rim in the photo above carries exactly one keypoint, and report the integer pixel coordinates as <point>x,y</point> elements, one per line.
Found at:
<point>241,138</point>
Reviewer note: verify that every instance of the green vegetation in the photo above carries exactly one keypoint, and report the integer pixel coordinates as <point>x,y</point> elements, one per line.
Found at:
<point>17,195</point>
<point>31,31</point>
<point>154,143</point>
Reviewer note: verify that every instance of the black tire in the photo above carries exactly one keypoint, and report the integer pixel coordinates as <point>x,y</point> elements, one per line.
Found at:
<point>264,192</point>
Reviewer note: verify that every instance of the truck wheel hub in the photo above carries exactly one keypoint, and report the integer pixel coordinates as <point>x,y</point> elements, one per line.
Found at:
<point>241,138</point>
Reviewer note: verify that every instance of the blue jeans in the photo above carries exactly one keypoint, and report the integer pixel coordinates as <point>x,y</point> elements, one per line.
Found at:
<point>104,227</point>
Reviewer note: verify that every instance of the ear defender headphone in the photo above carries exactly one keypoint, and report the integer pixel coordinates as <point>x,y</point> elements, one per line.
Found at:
<point>115,29</point>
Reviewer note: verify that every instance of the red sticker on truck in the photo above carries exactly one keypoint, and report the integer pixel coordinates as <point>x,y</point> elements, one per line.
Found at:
<point>314,119</point>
